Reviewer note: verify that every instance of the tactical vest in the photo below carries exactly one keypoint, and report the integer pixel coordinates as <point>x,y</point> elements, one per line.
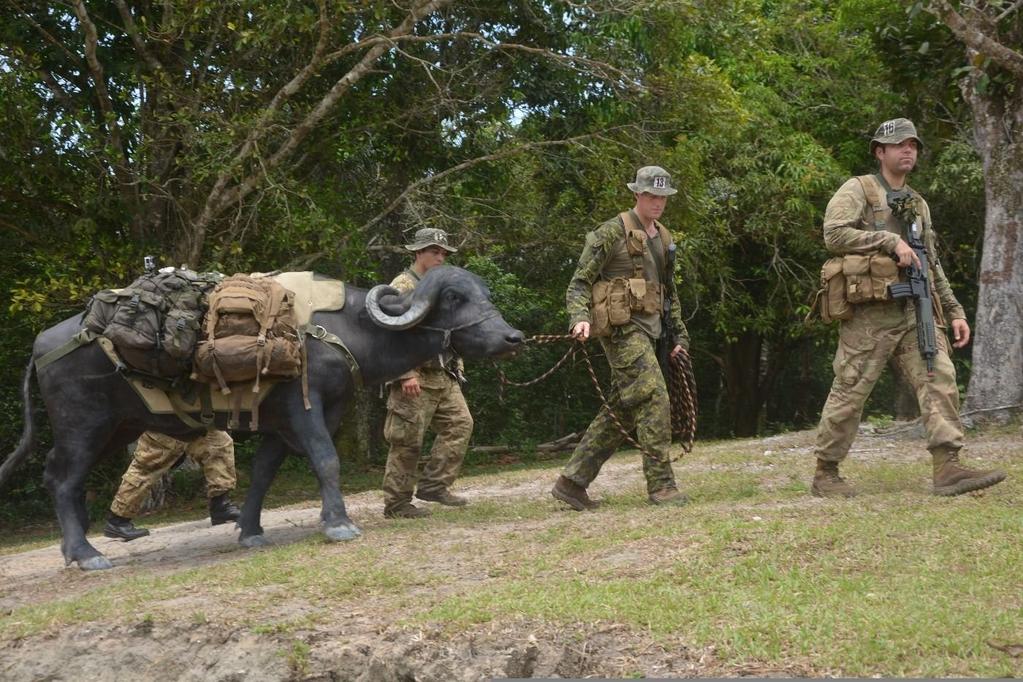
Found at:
<point>861,278</point>
<point>615,301</point>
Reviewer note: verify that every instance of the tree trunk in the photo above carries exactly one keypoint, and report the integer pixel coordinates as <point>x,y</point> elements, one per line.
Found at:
<point>742,383</point>
<point>996,379</point>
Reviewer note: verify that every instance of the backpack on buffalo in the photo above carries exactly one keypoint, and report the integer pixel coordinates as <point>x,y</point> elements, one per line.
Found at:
<point>250,333</point>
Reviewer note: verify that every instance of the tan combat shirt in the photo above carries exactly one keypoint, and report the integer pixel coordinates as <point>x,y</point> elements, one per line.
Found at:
<point>853,225</point>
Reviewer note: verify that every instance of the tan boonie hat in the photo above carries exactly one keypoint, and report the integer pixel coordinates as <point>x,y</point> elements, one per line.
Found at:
<point>653,180</point>
<point>430,236</point>
<point>894,131</point>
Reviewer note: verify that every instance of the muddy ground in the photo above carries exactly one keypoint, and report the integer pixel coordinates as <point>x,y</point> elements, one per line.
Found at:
<point>367,638</point>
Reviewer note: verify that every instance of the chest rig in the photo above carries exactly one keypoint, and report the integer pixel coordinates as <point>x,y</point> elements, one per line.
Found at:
<point>616,300</point>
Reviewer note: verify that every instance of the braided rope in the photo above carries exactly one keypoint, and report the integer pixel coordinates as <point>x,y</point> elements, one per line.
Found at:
<point>681,389</point>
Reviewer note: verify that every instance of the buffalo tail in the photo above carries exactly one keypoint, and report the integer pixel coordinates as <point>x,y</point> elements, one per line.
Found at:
<point>28,434</point>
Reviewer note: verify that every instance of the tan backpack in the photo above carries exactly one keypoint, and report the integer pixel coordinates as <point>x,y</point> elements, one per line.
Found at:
<point>250,333</point>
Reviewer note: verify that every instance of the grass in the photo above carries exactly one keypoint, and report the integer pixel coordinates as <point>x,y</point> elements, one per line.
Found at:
<point>894,583</point>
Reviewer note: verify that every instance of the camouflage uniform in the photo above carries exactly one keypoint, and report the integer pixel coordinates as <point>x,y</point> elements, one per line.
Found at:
<point>156,453</point>
<point>442,408</point>
<point>639,396</point>
<point>883,330</point>
<point>859,221</point>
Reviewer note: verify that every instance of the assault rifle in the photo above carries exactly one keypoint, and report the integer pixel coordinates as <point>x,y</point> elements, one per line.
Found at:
<point>666,342</point>
<point>918,287</point>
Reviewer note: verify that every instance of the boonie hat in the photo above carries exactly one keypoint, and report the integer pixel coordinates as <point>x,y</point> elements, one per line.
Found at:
<point>430,236</point>
<point>894,131</point>
<point>654,180</point>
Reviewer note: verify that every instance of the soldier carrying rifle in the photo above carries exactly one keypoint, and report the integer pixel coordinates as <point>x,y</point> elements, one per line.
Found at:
<point>880,287</point>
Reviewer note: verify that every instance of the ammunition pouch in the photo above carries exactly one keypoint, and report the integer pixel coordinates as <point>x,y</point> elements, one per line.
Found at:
<point>867,277</point>
<point>615,301</point>
<point>644,297</point>
<point>852,279</point>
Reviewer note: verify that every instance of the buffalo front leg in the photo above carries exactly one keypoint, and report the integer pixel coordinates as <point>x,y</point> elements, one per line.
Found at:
<point>316,443</point>
<point>265,464</point>
<point>65,479</point>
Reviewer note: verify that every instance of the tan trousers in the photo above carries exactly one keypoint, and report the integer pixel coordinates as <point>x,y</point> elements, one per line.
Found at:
<point>879,332</point>
<point>443,411</point>
<point>157,453</point>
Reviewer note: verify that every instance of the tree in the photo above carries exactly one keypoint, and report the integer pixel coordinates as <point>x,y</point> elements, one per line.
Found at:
<point>992,84</point>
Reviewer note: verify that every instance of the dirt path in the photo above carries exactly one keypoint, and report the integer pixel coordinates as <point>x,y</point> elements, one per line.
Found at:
<point>367,637</point>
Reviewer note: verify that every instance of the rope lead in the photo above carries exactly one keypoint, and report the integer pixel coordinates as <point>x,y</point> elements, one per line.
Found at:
<point>680,381</point>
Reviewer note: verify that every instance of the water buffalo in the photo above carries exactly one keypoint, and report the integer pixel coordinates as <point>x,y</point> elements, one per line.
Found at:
<point>93,410</point>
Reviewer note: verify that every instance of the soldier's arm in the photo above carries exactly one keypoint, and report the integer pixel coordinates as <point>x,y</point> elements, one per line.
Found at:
<point>842,224</point>
<point>949,303</point>
<point>596,252</point>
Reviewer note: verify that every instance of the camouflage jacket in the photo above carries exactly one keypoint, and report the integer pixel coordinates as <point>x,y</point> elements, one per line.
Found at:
<point>430,374</point>
<point>605,256</point>
<point>854,224</point>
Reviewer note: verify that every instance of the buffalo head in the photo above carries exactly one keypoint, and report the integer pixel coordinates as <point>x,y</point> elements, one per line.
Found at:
<point>450,301</point>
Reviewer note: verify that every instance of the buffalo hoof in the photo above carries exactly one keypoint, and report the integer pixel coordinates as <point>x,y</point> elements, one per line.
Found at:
<point>96,563</point>
<point>347,531</point>
<point>251,541</point>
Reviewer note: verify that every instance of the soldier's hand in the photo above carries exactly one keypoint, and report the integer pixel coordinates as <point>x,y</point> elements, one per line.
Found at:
<point>905,254</point>
<point>961,333</point>
<point>676,350</point>
<point>410,387</point>
<point>581,330</point>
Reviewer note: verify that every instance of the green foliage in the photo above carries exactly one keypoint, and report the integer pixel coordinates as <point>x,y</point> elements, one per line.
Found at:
<point>514,126</point>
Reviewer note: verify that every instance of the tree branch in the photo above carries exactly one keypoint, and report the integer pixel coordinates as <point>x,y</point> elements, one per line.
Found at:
<point>469,163</point>
<point>102,95</point>
<point>136,39</point>
<point>975,38</point>
<point>47,35</point>
<point>221,197</point>
<point>1009,10</point>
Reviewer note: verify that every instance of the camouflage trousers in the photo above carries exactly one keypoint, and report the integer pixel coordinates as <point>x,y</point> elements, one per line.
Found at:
<point>156,453</point>
<point>443,411</point>
<point>640,399</point>
<point>880,332</point>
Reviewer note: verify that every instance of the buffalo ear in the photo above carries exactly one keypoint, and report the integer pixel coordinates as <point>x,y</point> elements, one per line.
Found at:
<point>389,309</point>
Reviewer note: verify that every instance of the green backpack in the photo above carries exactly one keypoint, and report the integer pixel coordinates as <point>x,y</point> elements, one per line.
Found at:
<point>153,322</point>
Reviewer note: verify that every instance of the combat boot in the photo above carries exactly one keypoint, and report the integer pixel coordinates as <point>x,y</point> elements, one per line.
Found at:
<point>121,528</point>
<point>952,478</point>
<point>222,510</point>
<point>670,496</point>
<point>573,494</point>
<point>444,496</point>
<point>827,482</point>
<point>405,510</point>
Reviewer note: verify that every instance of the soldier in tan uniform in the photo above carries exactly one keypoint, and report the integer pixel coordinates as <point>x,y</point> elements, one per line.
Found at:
<point>154,456</point>
<point>429,396</point>
<point>860,222</point>
<point>616,294</point>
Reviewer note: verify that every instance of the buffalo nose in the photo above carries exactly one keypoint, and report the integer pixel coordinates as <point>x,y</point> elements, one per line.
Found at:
<point>515,338</point>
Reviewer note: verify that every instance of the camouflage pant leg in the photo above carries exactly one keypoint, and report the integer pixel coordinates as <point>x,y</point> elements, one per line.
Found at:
<point>214,452</point>
<point>639,397</point>
<point>404,428</point>
<point>453,425</point>
<point>155,454</point>
<point>938,395</point>
<point>865,344</point>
